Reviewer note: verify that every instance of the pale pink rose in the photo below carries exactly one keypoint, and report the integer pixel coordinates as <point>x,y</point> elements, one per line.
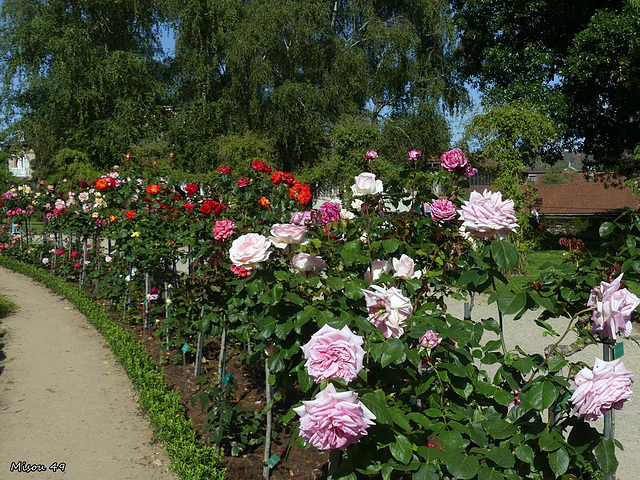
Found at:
<point>303,218</point>
<point>404,268</point>
<point>486,215</point>
<point>366,184</point>
<point>614,307</point>
<point>333,353</point>
<point>223,229</point>
<point>371,155</point>
<point>414,154</point>
<point>605,387</point>
<point>45,261</point>
<point>453,160</point>
<point>283,234</point>
<point>334,420</point>
<point>388,310</point>
<point>430,339</point>
<point>443,210</point>
<point>249,250</point>
<point>303,262</point>
<point>379,267</point>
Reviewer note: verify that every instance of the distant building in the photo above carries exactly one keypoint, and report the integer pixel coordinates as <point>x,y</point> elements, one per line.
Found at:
<point>19,165</point>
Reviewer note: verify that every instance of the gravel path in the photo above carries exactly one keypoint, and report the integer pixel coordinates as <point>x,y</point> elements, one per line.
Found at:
<point>63,399</point>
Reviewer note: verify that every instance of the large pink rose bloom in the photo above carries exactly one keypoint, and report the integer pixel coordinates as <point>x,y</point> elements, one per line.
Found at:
<point>366,184</point>
<point>283,234</point>
<point>614,306</point>
<point>453,160</point>
<point>334,420</point>
<point>388,310</point>
<point>443,210</point>
<point>605,387</point>
<point>405,268</point>
<point>249,250</point>
<point>223,229</point>
<point>486,215</point>
<point>333,353</point>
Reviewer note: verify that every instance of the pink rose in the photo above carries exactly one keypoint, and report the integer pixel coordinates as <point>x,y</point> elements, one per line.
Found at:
<point>605,387</point>
<point>371,155</point>
<point>334,420</point>
<point>302,218</point>
<point>430,339</point>
<point>329,212</point>
<point>414,154</point>
<point>333,353</point>
<point>379,267</point>
<point>388,310</point>
<point>486,215</point>
<point>240,271</point>
<point>443,210</point>
<point>453,160</point>
<point>614,307</point>
<point>303,262</point>
<point>283,234</point>
<point>249,250</point>
<point>470,171</point>
<point>404,268</point>
<point>223,229</point>
<point>366,184</point>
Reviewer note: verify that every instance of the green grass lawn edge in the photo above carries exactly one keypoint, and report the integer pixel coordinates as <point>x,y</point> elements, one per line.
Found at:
<point>190,458</point>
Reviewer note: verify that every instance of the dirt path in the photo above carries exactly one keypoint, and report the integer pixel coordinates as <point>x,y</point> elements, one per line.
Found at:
<point>64,399</point>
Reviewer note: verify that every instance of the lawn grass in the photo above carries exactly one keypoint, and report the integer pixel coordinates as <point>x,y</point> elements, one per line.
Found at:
<point>6,306</point>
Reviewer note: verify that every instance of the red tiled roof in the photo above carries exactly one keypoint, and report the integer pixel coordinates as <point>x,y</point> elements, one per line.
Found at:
<point>604,193</point>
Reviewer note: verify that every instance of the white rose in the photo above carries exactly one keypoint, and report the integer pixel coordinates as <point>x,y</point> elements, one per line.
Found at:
<point>366,184</point>
<point>356,204</point>
<point>346,215</point>
<point>404,268</point>
<point>249,250</point>
<point>379,267</point>
<point>283,234</point>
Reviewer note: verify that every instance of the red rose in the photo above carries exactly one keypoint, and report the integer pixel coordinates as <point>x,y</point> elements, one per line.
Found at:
<point>205,208</point>
<point>112,182</point>
<point>224,170</point>
<point>130,214</point>
<point>243,182</point>
<point>192,189</point>
<point>260,166</point>
<point>187,205</point>
<point>177,197</point>
<point>102,184</point>
<point>153,189</point>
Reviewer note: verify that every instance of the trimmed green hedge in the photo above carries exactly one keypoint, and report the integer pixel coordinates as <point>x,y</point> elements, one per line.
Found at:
<point>190,458</point>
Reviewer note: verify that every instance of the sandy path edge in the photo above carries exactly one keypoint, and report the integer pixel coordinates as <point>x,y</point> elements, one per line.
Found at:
<point>63,398</point>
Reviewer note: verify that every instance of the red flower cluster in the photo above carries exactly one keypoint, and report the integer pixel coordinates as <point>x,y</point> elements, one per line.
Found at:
<point>153,189</point>
<point>191,189</point>
<point>104,183</point>
<point>285,177</point>
<point>243,182</point>
<point>224,170</point>
<point>264,201</point>
<point>300,192</point>
<point>130,214</point>
<point>211,206</point>
<point>240,271</point>
<point>260,166</point>
<point>187,205</point>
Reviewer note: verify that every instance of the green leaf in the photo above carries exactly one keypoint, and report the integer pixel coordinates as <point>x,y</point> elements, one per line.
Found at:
<point>487,473</point>
<point>393,351</point>
<point>501,456</point>
<point>606,229</point>
<point>606,456</point>
<point>353,290</point>
<point>511,303</point>
<point>304,380</point>
<point>544,302</point>
<point>477,434</point>
<point>559,461</point>
<point>462,466</point>
<point>525,453</point>
<point>391,245</point>
<point>503,397</point>
<point>401,449</point>
<point>283,329</point>
<point>504,254</point>
<point>556,363</point>
<point>400,418</point>
<point>540,396</point>
<point>376,402</point>
<point>548,443</point>
<point>451,441</point>
<point>294,298</point>
<point>498,428</point>
<point>425,472</point>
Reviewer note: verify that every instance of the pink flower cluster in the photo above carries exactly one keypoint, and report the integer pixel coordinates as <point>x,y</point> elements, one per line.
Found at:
<point>456,161</point>
<point>614,306</point>
<point>605,387</point>
<point>333,353</point>
<point>223,229</point>
<point>486,215</point>
<point>443,210</point>
<point>329,212</point>
<point>388,310</point>
<point>430,340</point>
<point>334,420</point>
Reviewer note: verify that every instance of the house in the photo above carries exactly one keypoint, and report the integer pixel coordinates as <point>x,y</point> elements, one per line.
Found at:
<point>20,159</point>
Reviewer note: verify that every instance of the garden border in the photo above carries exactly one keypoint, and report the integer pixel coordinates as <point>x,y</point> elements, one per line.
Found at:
<point>190,458</point>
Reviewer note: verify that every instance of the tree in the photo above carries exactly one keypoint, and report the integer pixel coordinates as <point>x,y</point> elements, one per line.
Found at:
<point>81,74</point>
<point>577,61</point>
